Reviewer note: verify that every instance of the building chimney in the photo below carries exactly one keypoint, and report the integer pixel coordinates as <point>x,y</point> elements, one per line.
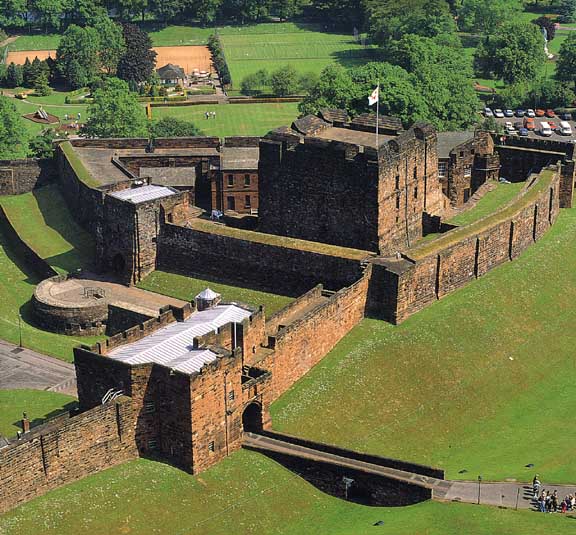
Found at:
<point>25,423</point>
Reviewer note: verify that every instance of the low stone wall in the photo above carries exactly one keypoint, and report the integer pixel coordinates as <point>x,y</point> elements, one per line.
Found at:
<point>22,176</point>
<point>142,143</point>
<point>280,269</point>
<point>29,256</point>
<point>299,304</point>
<point>66,450</point>
<point>430,271</point>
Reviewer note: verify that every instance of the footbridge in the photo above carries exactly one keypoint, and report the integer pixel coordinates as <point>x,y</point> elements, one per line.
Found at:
<point>379,481</point>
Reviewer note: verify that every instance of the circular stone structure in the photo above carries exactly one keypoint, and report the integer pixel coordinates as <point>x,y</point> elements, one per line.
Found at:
<point>71,306</point>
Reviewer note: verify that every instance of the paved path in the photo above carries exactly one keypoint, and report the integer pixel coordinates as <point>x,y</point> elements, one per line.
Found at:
<point>23,368</point>
<point>500,494</point>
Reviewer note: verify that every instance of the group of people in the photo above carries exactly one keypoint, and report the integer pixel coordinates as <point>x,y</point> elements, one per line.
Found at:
<point>549,502</point>
<point>210,114</point>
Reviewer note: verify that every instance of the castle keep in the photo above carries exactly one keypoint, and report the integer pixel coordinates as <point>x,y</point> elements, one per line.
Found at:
<point>337,225</point>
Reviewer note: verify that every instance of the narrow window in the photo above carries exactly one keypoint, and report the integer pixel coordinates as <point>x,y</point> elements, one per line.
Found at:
<point>442,168</point>
<point>211,446</point>
<point>230,180</point>
<point>231,395</point>
<point>230,203</point>
<point>149,407</point>
<point>152,444</point>
<point>246,180</point>
<point>397,181</point>
<point>397,202</point>
<point>415,192</point>
<point>467,171</point>
<point>247,203</point>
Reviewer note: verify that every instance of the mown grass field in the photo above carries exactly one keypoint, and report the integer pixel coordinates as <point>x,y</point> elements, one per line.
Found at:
<point>38,405</point>
<point>481,381</point>
<point>234,119</point>
<point>245,494</point>
<point>36,42</point>
<point>187,288</point>
<point>304,46</point>
<point>43,221</point>
<point>17,282</point>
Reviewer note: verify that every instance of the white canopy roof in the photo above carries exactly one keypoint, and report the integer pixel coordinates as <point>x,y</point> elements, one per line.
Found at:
<point>143,193</point>
<point>208,295</point>
<point>173,345</point>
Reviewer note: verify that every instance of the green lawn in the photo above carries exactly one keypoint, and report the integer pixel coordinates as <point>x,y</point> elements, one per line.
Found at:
<point>234,119</point>
<point>38,405</point>
<point>17,285</point>
<point>480,381</point>
<point>179,35</point>
<point>36,42</point>
<point>272,46</point>
<point>490,203</point>
<point>43,221</point>
<point>245,494</point>
<point>187,288</point>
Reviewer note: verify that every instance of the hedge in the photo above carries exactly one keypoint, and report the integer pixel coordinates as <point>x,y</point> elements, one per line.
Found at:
<point>219,59</point>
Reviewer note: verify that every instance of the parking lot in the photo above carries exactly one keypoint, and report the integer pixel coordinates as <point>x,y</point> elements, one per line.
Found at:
<point>556,136</point>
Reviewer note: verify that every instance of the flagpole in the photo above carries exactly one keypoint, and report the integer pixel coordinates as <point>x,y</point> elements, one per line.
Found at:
<point>377,113</point>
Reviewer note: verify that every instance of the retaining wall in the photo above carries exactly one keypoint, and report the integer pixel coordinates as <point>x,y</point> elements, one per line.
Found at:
<point>66,450</point>
<point>22,176</point>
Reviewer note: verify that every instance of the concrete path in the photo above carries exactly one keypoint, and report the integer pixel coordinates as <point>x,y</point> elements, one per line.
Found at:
<point>23,368</point>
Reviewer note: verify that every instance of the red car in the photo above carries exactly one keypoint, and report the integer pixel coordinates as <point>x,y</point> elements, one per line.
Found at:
<point>540,113</point>
<point>550,113</point>
<point>553,126</point>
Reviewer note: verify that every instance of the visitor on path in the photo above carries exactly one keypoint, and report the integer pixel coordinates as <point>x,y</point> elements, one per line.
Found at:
<point>536,486</point>
<point>542,502</point>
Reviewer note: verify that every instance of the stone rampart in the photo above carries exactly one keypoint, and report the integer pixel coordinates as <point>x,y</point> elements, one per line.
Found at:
<point>142,143</point>
<point>299,304</point>
<point>281,269</point>
<point>22,176</point>
<point>66,450</point>
<point>432,270</point>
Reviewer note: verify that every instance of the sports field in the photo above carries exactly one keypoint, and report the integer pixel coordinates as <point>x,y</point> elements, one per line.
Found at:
<point>233,119</point>
<point>272,46</point>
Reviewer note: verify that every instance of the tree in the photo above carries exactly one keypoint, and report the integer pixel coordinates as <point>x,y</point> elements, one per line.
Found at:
<point>48,13</point>
<point>130,8</point>
<point>548,24</point>
<point>115,112</point>
<point>568,10</point>
<point>42,146</point>
<point>487,15</point>
<point>255,83</point>
<point>206,10</point>
<point>284,9</point>
<point>112,45</point>
<point>13,137</point>
<point>166,10</point>
<point>514,53</point>
<point>26,73</point>
<point>173,127</point>
<point>284,81</point>
<point>13,13</point>
<point>340,12</point>
<point>77,56</point>
<point>566,63</point>
<point>14,76</point>
<point>41,86</point>
<point>138,62</point>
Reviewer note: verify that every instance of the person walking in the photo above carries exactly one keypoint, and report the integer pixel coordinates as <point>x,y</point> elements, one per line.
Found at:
<point>542,502</point>
<point>536,486</point>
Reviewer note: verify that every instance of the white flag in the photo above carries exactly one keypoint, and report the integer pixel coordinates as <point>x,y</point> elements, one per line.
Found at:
<point>373,98</point>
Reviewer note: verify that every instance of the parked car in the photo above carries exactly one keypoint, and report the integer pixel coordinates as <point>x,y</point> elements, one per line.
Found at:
<point>530,113</point>
<point>565,116</point>
<point>550,113</point>
<point>508,113</point>
<point>498,113</point>
<point>488,112</point>
<point>523,132</point>
<point>519,112</point>
<point>564,129</point>
<point>545,129</point>
<point>540,113</point>
<point>529,123</point>
<point>518,125</point>
<point>552,125</point>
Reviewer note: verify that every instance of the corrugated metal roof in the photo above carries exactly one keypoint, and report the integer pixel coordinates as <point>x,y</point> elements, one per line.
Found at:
<point>207,294</point>
<point>173,345</point>
<point>143,194</point>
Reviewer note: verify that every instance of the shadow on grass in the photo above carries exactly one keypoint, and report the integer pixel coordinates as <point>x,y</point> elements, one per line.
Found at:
<point>57,216</point>
<point>72,406</point>
<point>16,253</point>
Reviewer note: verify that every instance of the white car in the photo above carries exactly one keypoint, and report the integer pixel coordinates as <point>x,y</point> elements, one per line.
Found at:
<point>498,113</point>
<point>530,113</point>
<point>509,128</point>
<point>488,112</point>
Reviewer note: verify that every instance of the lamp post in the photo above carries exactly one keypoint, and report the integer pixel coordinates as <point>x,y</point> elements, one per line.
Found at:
<point>347,484</point>
<point>19,330</point>
<point>479,482</point>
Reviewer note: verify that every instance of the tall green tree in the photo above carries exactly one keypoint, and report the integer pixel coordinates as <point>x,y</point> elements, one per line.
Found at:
<point>166,10</point>
<point>567,10</point>
<point>335,89</point>
<point>284,81</point>
<point>138,62</point>
<point>13,136</point>
<point>566,62</point>
<point>77,56</point>
<point>112,45</point>
<point>115,112</point>
<point>14,75</point>
<point>206,11</point>
<point>13,13</point>
<point>48,13</point>
<point>174,127</point>
<point>514,53</point>
<point>487,15</point>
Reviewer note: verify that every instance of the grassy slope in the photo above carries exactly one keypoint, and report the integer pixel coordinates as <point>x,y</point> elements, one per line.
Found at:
<point>187,288</point>
<point>234,119</point>
<point>43,221</point>
<point>480,381</point>
<point>246,493</point>
<point>37,404</point>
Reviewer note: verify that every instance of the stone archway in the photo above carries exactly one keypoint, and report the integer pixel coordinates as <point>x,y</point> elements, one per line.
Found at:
<point>252,418</point>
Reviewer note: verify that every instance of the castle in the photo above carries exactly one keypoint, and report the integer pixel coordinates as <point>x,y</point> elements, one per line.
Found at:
<point>338,226</point>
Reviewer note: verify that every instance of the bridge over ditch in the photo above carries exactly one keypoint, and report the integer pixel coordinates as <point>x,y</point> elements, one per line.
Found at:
<point>379,481</point>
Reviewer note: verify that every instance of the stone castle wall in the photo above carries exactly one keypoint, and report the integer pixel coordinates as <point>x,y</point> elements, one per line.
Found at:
<point>280,269</point>
<point>22,176</point>
<point>69,449</point>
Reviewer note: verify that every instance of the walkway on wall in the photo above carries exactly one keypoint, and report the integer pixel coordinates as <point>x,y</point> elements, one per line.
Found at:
<point>502,494</point>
